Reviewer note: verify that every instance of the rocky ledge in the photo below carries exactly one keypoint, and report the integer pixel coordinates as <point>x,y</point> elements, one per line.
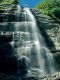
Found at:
<point>55,76</point>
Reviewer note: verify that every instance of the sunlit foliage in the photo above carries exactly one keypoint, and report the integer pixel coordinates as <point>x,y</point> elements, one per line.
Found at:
<point>50,6</point>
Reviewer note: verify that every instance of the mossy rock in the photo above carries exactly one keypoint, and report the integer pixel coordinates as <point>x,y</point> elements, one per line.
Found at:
<point>5,3</point>
<point>9,2</point>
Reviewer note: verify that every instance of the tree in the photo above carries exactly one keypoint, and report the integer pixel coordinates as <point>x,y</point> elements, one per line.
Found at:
<point>50,6</point>
<point>0,1</point>
<point>8,1</point>
<point>15,2</point>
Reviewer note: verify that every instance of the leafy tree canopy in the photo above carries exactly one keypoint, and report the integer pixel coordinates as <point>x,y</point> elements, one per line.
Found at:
<point>8,1</point>
<point>50,6</point>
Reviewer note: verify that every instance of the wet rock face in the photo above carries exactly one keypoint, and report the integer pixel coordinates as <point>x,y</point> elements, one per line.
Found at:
<point>8,61</point>
<point>51,30</point>
<point>55,76</point>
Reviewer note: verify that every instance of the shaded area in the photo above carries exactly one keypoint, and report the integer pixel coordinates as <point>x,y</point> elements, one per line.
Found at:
<point>8,62</point>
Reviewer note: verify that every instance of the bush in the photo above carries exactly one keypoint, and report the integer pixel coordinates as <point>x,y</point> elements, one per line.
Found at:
<point>56,12</point>
<point>9,2</point>
<point>50,6</point>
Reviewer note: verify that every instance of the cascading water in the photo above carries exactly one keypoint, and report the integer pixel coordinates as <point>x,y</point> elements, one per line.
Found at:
<point>40,57</point>
<point>28,42</point>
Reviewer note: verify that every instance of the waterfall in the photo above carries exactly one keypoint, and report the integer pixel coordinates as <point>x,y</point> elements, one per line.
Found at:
<point>39,55</point>
<point>28,42</point>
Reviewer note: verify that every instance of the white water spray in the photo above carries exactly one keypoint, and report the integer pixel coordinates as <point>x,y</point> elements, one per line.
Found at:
<point>39,55</point>
<point>30,44</point>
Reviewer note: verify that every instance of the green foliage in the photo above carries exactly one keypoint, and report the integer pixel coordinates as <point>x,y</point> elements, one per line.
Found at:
<point>0,1</point>
<point>8,1</point>
<point>56,12</point>
<point>3,2</point>
<point>15,2</point>
<point>50,6</point>
<point>40,6</point>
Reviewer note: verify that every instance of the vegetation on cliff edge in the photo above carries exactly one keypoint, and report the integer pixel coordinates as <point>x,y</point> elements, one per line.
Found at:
<point>5,3</point>
<point>50,7</point>
<point>8,2</point>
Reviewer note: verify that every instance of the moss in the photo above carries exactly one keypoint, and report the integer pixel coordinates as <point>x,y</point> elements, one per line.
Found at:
<point>7,1</point>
